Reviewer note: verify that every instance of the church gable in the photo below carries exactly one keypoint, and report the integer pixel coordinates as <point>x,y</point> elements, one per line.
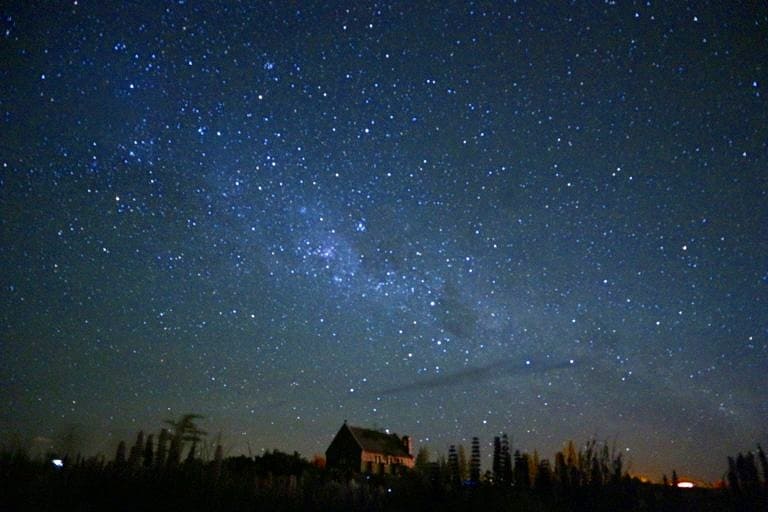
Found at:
<point>344,451</point>
<point>369,451</point>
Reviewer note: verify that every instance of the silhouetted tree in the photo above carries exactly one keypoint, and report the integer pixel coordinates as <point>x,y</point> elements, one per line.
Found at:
<point>675,480</point>
<point>732,476</point>
<point>543,481</point>
<point>496,466</point>
<point>744,482</point>
<point>280,463</point>
<point>571,455</point>
<point>572,460</point>
<point>137,450</point>
<point>192,452</point>
<point>120,454</point>
<point>436,472</point>
<point>218,459</point>
<point>174,451</point>
<point>453,467</point>
<point>522,476</point>
<point>533,465</point>
<point>605,458</point>
<point>587,464</point>
<point>506,460</point>
<point>463,464</point>
<point>422,459</point>
<point>149,449</point>
<point>596,475</point>
<point>182,431</point>
<point>617,469</point>
<point>763,464</point>
<point>561,470</point>
<point>442,469</point>
<point>746,470</point>
<point>474,461</point>
<point>162,447</point>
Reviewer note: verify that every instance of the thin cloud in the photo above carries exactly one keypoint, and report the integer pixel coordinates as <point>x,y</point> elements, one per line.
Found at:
<point>496,370</point>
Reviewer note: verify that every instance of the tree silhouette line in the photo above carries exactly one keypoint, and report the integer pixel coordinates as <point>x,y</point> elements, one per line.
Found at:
<point>180,468</point>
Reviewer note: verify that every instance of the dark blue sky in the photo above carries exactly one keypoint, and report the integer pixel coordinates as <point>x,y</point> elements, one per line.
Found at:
<point>444,218</point>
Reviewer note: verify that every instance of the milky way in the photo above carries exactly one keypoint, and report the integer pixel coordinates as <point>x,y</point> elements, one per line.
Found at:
<point>444,218</point>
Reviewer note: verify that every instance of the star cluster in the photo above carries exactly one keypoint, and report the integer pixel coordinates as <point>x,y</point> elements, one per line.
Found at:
<point>445,218</point>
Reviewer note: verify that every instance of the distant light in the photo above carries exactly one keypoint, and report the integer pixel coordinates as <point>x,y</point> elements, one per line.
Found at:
<point>58,463</point>
<point>685,485</point>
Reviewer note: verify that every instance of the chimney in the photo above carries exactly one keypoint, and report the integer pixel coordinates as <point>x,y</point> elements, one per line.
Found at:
<point>407,444</point>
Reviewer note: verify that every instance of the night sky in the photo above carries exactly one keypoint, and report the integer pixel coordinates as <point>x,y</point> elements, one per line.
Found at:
<point>443,218</point>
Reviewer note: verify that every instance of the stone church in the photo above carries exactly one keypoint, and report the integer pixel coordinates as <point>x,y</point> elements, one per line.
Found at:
<point>369,451</point>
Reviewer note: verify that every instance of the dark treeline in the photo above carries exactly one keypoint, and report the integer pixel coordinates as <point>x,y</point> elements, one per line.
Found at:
<point>591,477</point>
<point>177,469</point>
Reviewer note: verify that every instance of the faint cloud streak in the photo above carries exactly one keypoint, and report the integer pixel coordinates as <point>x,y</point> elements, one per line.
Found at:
<point>497,370</point>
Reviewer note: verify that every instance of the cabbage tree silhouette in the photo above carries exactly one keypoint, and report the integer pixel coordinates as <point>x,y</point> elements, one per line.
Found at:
<point>182,431</point>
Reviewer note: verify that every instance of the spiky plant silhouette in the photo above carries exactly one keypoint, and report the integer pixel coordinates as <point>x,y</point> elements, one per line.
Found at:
<point>182,431</point>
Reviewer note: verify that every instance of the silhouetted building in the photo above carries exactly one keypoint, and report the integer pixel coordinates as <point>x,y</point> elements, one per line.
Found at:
<point>369,451</point>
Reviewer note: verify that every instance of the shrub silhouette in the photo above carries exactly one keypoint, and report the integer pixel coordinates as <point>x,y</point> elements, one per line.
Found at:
<point>591,477</point>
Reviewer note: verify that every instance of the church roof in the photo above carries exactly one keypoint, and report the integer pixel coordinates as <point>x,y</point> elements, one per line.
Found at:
<point>379,442</point>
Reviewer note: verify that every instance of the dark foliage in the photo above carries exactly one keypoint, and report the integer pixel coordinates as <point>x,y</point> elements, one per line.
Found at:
<point>474,462</point>
<point>590,479</point>
<point>746,486</point>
